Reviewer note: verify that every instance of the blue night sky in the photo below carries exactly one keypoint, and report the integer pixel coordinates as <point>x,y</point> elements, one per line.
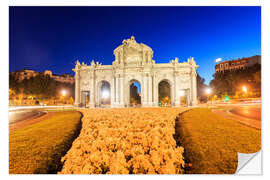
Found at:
<point>55,37</point>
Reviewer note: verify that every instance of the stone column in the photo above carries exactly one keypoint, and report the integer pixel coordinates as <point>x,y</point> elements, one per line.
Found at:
<point>194,88</point>
<point>155,92</point>
<point>176,84</point>
<point>145,97</point>
<point>112,92</point>
<point>92,91</point>
<point>121,90</point>
<point>117,89</point>
<point>150,94</point>
<point>77,89</point>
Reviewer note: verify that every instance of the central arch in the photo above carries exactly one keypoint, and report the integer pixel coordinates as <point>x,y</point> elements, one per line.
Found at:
<point>104,94</point>
<point>165,93</point>
<point>134,93</point>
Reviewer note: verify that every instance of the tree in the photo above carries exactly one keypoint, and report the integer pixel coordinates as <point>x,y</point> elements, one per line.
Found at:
<point>231,82</point>
<point>201,86</point>
<point>42,87</point>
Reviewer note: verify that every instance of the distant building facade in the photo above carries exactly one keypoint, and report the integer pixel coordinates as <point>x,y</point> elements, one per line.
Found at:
<point>237,64</point>
<point>27,74</point>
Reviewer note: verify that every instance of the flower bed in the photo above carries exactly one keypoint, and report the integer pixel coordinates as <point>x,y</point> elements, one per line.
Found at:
<point>124,141</point>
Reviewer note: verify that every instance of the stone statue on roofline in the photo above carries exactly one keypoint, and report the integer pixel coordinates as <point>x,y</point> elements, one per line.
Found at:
<point>174,61</point>
<point>92,62</point>
<point>131,43</point>
<point>78,64</point>
<point>191,61</point>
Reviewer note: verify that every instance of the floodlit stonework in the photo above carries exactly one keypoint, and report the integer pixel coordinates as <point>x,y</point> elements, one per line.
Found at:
<point>133,62</point>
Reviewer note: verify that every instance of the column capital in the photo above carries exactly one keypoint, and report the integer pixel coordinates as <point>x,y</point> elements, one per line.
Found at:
<point>176,73</point>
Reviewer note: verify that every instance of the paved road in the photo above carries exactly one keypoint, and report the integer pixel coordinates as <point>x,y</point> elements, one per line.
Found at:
<point>23,115</point>
<point>248,112</point>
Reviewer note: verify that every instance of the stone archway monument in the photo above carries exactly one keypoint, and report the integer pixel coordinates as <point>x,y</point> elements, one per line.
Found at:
<point>134,62</point>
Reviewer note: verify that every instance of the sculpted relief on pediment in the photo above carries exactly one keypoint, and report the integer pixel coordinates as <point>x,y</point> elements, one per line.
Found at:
<point>184,79</point>
<point>131,52</point>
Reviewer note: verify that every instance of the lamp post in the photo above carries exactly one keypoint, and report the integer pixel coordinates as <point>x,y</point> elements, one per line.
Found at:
<point>244,88</point>
<point>63,92</point>
<point>208,92</point>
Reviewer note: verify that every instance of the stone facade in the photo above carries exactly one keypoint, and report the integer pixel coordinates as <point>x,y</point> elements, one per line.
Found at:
<point>27,74</point>
<point>133,62</point>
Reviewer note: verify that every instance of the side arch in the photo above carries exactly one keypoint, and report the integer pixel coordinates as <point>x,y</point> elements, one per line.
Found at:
<point>99,92</point>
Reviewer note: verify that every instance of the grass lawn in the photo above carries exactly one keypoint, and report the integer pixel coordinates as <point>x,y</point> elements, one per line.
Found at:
<point>38,148</point>
<point>211,141</point>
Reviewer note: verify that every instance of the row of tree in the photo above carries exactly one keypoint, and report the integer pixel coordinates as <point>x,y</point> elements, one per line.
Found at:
<point>39,88</point>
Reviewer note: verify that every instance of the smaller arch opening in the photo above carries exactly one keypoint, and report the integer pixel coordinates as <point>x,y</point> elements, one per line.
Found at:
<point>105,94</point>
<point>183,97</point>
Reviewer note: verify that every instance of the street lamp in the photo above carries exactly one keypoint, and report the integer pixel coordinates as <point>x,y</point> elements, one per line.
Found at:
<point>208,92</point>
<point>64,93</point>
<point>244,88</point>
<point>181,93</point>
<point>105,94</point>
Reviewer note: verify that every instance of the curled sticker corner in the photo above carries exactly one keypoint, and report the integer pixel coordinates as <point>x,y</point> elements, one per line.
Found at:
<point>249,163</point>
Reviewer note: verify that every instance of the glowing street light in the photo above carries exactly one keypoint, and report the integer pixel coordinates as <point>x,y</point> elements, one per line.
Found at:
<point>181,93</point>
<point>64,92</point>
<point>244,88</point>
<point>105,94</point>
<point>208,91</point>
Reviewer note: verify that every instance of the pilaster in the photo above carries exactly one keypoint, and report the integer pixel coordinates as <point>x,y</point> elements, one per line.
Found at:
<point>150,94</point>
<point>145,92</point>
<point>155,91</point>
<point>121,103</point>
<point>113,92</point>
<point>92,90</point>
<point>77,88</point>
<point>117,90</point>
<point>176,89</point>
